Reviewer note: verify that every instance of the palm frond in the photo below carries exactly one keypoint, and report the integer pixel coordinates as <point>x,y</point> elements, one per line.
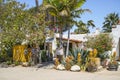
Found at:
<point>91,23</point>
<point>78,12</point>
<point>78,3</point>
<point>110,20</point>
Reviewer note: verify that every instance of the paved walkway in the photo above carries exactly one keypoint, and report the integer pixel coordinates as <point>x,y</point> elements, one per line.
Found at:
<point>28,73</point>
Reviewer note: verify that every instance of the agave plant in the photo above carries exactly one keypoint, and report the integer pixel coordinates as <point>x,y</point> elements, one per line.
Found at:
<point>83,53</point>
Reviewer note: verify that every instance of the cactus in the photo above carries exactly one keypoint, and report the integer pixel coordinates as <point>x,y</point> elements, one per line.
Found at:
<point>71,57</point>
<point>92,61</point>
<point>57,62</point>
<point>79,58</point>
<point>95,53</point>
<point>90,54</point>
<point>68,64</point>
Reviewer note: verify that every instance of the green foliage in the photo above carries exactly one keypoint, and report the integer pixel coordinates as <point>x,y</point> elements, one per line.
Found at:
<point>17,63</point>
<point>43,56</point>
<point>101,42</point>
<point>81,30</point>
<point>104,55</point>
<point>17,25</point>
<point>11,21</point>
<point>5,55</point>
<point>65,11</point>
<point>9,62</point>
<point>77,57</point>
<point>84,27</point>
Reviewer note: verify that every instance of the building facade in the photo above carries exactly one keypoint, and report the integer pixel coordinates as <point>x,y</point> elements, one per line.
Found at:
<point>116,40</point>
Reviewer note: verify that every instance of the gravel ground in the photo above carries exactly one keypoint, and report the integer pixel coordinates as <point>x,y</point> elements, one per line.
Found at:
<point>32,73</point>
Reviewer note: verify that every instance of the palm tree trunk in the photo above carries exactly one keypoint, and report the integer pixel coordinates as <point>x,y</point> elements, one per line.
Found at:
<point>37,5</point>
<point>67,51</point>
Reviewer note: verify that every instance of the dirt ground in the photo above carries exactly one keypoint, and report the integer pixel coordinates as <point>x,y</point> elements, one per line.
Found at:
<point>31,73</point>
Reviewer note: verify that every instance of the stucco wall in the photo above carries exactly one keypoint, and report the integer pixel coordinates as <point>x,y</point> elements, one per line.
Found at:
<point>116,36</point>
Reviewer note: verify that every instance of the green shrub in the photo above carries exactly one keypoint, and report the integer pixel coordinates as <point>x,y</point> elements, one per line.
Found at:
<point>5,52</point>
<point>5,57</point>
<point>17,63</point>
<point>9,62</point>
<point>101,42</point>
<point>43,56</point>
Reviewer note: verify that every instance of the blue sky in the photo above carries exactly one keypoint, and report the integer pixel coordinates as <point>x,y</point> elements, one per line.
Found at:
<point>99,8</point>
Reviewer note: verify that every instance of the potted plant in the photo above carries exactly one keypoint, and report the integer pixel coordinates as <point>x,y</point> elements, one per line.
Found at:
<point>92,65</point>
<point>113,64</point>
<point>105,58</point>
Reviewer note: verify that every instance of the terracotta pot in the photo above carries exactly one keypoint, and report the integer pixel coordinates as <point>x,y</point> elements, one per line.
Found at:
<point>97,61</point>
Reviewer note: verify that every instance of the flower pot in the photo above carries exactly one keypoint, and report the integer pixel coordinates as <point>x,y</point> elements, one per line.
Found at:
<point>113,67</point>
<point>97,62</point>
<point>91,68</point>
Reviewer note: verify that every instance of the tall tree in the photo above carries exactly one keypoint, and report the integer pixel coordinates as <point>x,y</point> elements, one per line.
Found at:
<point>66,11</point>
<point>111,20</point>
<point>18,25</point>
<point>75,12</point>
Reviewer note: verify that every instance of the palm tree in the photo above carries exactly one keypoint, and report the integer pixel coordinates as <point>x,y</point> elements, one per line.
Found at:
<point>84,27</point>
<point>66,11</point>
<point>81,28</point>
<point>111,20</point>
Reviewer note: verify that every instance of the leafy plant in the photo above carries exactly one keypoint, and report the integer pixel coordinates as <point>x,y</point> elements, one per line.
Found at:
<point>101,42</point>
<point>83,53</point>
<point>113,64</point>
<point>92,61</point>
<point>17,63</point>
<point>80,57</point>
<point>9,62</point>
<point>18,25</point>
<point>104,55</point>
<point>112,57</point>
<point>5,55</point>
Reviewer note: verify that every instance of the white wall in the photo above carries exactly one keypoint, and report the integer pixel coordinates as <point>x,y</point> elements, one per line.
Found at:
<point>116,36</point>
